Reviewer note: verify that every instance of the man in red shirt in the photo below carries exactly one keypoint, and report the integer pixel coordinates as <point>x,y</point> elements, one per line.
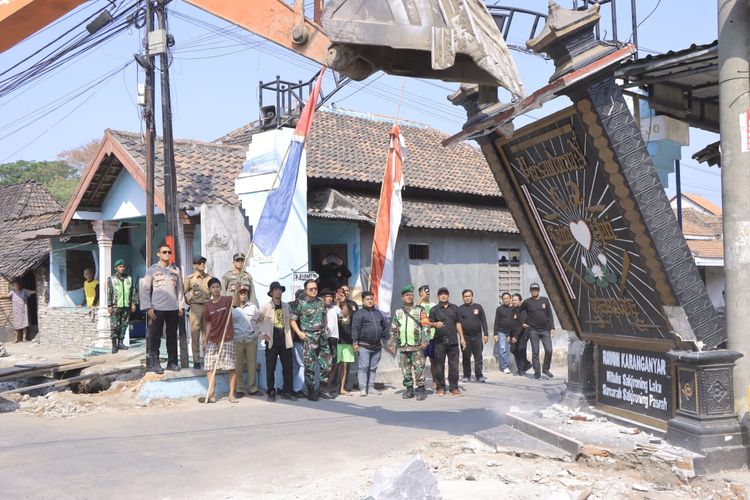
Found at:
<point>220,353</point>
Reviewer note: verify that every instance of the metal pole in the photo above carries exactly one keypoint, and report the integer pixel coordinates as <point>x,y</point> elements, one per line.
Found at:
<point>634,20</point>
<point>170,174</point>
<point>678,188</point>
<point>148,116</point>
<point>613,5</point>
<point>734,100</point>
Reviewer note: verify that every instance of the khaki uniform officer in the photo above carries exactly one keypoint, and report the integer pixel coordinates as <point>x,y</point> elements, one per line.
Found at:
<point>196,296</point>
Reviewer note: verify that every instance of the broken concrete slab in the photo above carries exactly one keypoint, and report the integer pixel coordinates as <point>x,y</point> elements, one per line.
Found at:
<point>508,440</point>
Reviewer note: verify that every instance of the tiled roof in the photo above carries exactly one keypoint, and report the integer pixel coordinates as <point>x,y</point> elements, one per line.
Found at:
<point>206,171</point>
<point>707,249</point>
<point>696,223</point>
<point>704,203</point>
<point>417,213</point>
<point>350,146</point>
<point>24,207</point>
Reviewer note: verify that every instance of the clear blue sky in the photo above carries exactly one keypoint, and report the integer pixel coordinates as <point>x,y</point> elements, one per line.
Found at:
<point>216,68</point>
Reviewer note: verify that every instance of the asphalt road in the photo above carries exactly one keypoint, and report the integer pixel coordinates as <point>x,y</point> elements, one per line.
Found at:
<point>253,449</point>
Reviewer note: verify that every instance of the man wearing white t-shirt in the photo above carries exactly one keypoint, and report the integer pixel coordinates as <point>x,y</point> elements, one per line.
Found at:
<point>332,327</point>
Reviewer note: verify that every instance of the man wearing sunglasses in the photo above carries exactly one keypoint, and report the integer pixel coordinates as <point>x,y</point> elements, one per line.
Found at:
<point>309,324</point>
<point>163,297</point>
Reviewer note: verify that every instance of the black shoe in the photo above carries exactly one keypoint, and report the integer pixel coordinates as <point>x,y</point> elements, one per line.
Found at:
<point>122,346</point>
<point>173,366</point>
<point>114,346</point>
<point>288,396</point>
<point>239,394</point>
<point>548,374</point>
<point>155,364</point>
<point>537,376</point>
<point>408,393</point>
<point>196,366</point>
<point>312,394</point>
<point>421,394</point>
<point>325,393</point>
<point>271,397</point>
<point>300,394</point>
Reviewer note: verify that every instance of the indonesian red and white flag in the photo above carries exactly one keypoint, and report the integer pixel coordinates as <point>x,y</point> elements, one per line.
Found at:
<point>387,224</point>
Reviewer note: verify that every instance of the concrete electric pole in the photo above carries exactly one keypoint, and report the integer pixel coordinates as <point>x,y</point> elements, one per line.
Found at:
<point>734,105</point>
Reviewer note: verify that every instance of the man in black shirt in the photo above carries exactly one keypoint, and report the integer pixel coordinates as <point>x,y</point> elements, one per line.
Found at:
<point>448,334</point>
<point>536,317</point>
<point>474,324</point>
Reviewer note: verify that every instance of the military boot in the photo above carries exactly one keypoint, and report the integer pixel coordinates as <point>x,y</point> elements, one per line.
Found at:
<point>408,393</point>
<point>312,394</point>
<point>325,392</point>
<point>421,394</point>
<point>122,346</point>
<point>114,346</point>
<point>155,364</point>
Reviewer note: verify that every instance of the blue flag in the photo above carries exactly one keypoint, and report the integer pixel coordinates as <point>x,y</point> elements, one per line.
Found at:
<point>275,212</point>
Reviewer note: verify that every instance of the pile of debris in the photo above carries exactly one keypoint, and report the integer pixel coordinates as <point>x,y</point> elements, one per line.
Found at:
<point>66,387</point>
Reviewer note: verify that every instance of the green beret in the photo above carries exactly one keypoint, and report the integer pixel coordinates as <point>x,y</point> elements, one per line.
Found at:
<point>119,262</point>
<point>407,289</point>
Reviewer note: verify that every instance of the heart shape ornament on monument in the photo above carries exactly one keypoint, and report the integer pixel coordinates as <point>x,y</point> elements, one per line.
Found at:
<point>581,232</point>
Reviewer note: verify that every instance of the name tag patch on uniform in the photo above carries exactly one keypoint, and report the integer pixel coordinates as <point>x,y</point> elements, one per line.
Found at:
<point>476,311</point>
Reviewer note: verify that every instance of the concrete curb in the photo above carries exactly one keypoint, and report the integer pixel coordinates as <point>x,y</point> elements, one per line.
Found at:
<point>566,443</point>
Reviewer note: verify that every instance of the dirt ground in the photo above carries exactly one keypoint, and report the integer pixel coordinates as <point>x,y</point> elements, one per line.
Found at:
<point>464,466</point>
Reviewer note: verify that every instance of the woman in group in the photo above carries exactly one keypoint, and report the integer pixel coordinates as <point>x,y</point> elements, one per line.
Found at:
<point>19,310</point>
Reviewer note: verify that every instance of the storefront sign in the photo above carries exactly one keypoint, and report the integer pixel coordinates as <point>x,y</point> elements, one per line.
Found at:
<point>639,382</point>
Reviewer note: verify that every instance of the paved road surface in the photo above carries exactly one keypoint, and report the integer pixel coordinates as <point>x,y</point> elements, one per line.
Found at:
<point>249,450</point>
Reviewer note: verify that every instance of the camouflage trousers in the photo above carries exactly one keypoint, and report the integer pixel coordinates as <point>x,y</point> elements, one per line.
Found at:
<point>119,322</point>
<point>317,351</point>
<point>412,360</point>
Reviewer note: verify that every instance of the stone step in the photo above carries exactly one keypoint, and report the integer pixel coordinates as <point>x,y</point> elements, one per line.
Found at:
<point>511,441</point>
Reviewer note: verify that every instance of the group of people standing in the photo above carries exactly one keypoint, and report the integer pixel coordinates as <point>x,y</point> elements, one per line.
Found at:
<point>319,334</point>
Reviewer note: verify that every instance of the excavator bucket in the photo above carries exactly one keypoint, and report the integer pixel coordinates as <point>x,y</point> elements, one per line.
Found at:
<point>450,40</point>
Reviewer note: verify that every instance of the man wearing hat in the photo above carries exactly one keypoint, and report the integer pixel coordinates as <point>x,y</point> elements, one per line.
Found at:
<point>446,319</point>
<point>237,276</point>
<point>121,302</point>
<point>196,296</point>
<point>536,317</point>
<point>276,331</point>
<point>411,333</point>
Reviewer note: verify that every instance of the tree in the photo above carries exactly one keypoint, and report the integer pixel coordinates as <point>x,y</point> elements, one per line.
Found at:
<point>80,157</point>
<point>58,177</point>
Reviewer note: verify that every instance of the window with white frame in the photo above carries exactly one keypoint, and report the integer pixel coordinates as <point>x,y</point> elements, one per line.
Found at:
<point>509,271</point>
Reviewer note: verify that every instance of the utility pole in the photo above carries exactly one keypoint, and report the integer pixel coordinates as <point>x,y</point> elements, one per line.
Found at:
<point>170,174</point>
<point>734,102</point>
<point>148,116</point>
<point>170,171</point>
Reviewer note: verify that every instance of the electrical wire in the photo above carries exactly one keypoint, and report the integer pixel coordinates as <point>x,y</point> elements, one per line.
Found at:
<point>69,50</point>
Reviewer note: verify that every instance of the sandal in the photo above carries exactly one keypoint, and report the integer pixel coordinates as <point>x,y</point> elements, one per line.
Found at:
<point>234,400</point>
<point>202,399</point>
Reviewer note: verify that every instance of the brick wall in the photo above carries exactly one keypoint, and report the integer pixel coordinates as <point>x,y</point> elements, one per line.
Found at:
<point>5,287</point>
<point>69,328</point>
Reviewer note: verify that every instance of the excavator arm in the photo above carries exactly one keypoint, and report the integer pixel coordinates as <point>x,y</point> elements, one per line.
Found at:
<point>20,19</point>
<point>451,40</point>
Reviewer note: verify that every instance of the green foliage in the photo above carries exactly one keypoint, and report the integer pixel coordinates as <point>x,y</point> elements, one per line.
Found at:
<point>57,177</point>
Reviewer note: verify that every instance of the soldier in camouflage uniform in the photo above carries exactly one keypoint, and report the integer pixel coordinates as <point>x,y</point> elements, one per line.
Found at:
<point>411,333</point>
<point>121,302</point>
<point>309,323</point>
